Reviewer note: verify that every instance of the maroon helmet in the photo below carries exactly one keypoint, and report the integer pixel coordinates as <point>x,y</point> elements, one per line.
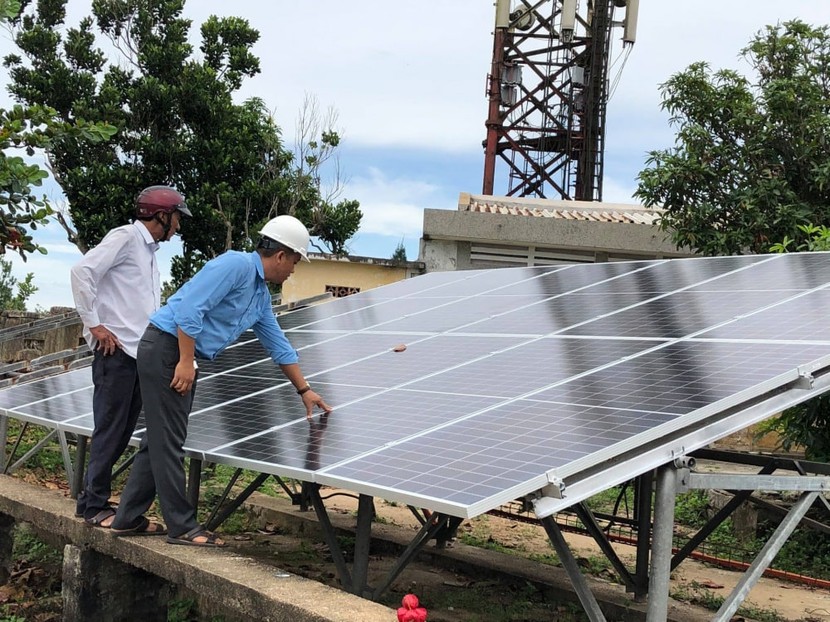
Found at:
<point>155,199</point>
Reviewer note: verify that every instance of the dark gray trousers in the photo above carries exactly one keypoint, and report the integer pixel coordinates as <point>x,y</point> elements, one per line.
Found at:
<point>159,463</point>
<point>116,404</point>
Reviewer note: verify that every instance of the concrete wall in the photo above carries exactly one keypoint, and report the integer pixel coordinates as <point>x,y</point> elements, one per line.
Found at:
<point>35,343</point>
<point>449,238</point>
<point>311,278</point>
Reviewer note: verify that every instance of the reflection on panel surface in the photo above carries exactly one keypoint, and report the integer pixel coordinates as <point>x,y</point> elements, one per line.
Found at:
<point>25,393</point>
<point>354,429</point>
<point>57,409</point>
<point>678,315</point>
<point>790,271</point>
<point>682,377</point>
<point>668,276</point>
<point>801,319</point>
<point>421,358</point>
<point>554,314</point>
<point>531,366</point>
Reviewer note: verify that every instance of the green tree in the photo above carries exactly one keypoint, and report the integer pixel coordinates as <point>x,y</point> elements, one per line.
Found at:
<point>751,161</point>
<point>23,130</point>
<point>177,121</point>
<point>400,253</point>
<point>14,294</point>
<point>805,425</point>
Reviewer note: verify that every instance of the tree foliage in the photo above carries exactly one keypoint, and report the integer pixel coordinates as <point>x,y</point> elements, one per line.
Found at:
<point>14,294</point>
<point>805,425</point>
<point>751,161</point>
<point>176,117</point>
<point>23,131</point>
<point>400,253</point>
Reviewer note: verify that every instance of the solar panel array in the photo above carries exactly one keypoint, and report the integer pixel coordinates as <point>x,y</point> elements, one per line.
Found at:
<point>508,376</point>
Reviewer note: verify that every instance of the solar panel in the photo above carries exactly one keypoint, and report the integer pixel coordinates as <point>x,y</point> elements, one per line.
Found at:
<point>509,379</point>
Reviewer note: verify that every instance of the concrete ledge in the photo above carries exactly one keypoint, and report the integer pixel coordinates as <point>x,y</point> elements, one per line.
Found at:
<point>238,583</point>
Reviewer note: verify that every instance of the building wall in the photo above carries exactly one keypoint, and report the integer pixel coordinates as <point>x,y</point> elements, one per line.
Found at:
<point>460,240</point>
<point>311,278</point>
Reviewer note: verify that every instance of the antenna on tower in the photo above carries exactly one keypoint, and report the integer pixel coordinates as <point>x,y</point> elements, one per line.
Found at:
<point>632,11</point>
<point>568,20</point>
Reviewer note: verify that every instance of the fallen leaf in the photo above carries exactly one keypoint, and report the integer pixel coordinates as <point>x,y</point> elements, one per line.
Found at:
<point>399,348</point>
<point>9,593</point>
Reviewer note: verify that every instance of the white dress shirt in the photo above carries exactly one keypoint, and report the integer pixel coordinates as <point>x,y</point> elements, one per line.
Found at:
<point>117,285</point>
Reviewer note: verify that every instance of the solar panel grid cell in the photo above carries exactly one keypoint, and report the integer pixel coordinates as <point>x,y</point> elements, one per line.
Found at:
<point>803,318</point>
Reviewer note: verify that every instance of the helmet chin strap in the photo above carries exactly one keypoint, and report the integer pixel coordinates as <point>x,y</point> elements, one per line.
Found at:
<point>166,226</point>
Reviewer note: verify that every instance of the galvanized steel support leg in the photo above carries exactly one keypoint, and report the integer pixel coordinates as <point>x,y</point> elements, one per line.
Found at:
<point>661,548</point>
<point>11,468</point>
<point>4,435</point>
<point>67,456</point>
<point>592,527</point>
<point>583,590</point>
<point>643,493</point>
<point>221,513</point>
<point>363,541</point>
<point>330,536</point>
<point>436,523</point>
<point>77,482</point>
<point>765,557</point>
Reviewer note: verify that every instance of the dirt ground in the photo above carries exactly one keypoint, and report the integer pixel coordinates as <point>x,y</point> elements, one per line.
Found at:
<point>453,597</point>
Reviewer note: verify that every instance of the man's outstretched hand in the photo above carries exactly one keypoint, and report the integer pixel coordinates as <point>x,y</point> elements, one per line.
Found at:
<point>312,399</point>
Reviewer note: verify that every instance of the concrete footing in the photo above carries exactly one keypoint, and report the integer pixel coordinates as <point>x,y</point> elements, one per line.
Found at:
<point>99,587</point>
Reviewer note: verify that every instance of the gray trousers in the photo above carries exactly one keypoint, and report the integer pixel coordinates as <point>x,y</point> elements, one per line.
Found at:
<point>159,463</point>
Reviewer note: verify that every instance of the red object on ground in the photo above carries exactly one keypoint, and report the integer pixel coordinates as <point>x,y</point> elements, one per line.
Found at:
<point>409,610</point>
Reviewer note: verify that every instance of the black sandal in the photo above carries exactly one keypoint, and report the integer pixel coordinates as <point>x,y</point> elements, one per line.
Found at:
<point>189,538</point>
<point>100,517</point>
<point>145,527</point>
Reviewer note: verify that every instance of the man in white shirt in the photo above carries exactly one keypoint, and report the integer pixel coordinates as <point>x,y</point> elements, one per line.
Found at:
<point>116,288</point>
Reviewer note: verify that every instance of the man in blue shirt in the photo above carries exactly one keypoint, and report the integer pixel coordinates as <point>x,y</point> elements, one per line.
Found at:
<point>225,298</point>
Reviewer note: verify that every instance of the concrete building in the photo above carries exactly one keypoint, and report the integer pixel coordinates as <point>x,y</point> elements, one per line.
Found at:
<point>490,232</point>
<point>342,276</point>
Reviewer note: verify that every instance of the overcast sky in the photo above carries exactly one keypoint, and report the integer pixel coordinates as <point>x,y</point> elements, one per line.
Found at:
<point>408,84</point>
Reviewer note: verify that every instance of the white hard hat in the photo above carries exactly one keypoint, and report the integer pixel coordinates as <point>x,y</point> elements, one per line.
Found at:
<point>289,232</point>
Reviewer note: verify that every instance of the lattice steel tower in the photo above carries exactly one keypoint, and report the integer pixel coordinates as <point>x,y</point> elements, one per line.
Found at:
<point>548,89</point>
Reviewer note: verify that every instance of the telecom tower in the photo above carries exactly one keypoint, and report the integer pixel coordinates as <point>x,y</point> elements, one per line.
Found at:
<point>548,89</point>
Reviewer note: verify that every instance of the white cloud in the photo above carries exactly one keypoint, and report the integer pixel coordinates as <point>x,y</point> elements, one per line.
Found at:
<point>394,206</point>
<point>614,191</point>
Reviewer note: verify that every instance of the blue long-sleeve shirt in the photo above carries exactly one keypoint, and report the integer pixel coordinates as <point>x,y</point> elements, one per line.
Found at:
<point>225,298</point>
